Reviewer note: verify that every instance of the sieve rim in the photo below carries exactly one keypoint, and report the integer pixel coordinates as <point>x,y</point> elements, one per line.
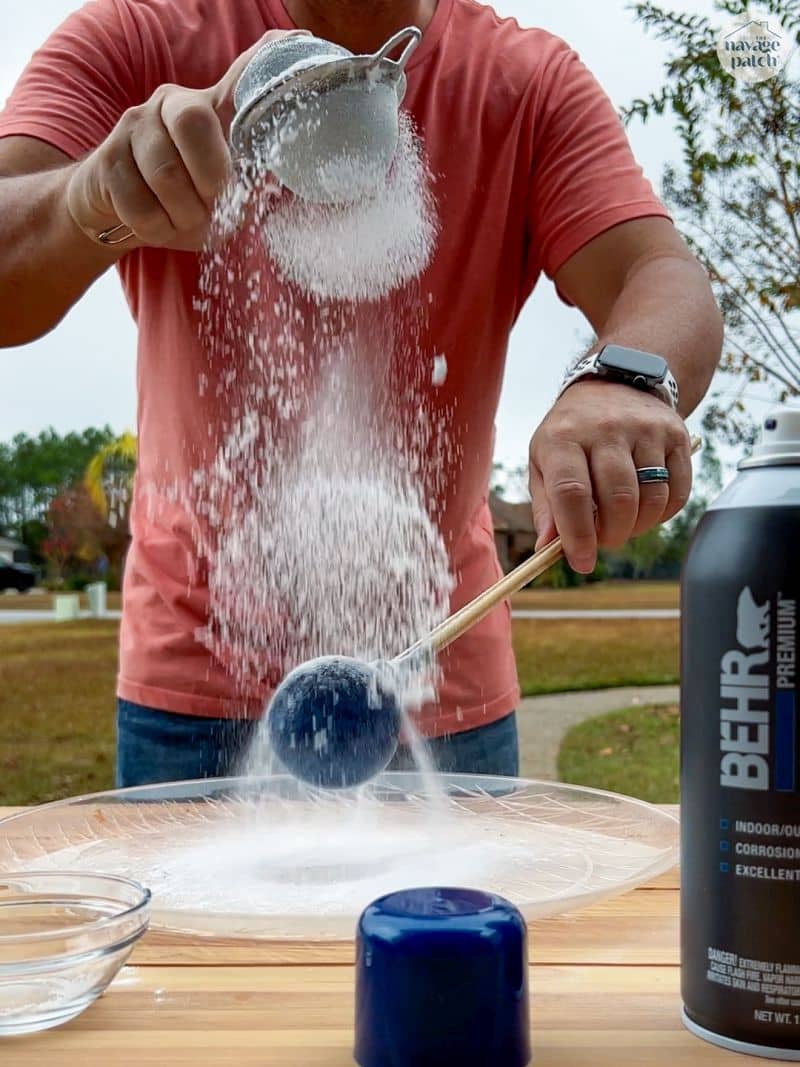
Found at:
<point>318,78</point>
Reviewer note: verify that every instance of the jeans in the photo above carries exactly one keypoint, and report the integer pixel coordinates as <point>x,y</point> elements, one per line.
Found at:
<point>160,746</point>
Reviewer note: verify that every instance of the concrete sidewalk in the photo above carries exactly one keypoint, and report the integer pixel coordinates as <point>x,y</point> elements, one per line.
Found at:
<point>544,721</point>
<point>595,613</point>
<point>9,617</point>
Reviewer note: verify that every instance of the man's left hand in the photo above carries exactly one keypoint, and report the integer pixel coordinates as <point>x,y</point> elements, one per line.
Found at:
<point>583,461</point>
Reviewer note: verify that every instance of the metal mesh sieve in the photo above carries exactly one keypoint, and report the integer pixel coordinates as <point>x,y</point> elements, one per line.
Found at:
<point>323,120</point>
<point>276,58</point>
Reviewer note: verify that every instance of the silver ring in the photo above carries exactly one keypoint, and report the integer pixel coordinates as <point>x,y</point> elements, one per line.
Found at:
<point>647,475</point>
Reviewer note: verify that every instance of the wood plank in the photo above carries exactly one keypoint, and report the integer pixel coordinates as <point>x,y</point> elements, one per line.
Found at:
<point>638,928</point>
<point>301,1017</point>
<point>669,880</point>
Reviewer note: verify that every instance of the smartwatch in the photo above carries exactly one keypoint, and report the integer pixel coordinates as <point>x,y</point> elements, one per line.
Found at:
<point>629,366</point>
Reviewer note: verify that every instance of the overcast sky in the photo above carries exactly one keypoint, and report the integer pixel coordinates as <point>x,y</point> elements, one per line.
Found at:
<point>83,373</point>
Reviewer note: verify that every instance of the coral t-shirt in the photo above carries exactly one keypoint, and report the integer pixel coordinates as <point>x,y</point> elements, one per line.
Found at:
<point>531,163</point>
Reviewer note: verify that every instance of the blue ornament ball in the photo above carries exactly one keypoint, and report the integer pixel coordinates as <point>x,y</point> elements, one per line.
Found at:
<point>335,722</point>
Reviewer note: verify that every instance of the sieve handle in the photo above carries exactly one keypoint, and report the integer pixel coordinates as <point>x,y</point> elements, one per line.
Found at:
<point>412,35</point>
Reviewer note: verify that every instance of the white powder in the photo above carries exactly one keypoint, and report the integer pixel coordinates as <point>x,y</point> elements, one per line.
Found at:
<point>316,518</point>
<point>333,553</point>
<point>439,375</point>
<point>363,250</point>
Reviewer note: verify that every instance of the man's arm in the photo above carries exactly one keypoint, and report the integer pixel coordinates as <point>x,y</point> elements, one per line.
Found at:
<point>46,261</point>
<point>639,286</point>
<point>158,173</point>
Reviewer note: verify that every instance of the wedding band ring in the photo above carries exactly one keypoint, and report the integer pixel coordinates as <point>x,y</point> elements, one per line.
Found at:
<point>116,235</point>
<point>648,475</point>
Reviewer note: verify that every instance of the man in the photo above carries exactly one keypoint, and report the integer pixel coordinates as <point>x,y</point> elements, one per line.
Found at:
<point>114,124</point>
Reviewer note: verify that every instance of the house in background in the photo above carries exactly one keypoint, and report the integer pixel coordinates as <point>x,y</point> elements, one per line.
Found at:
<point>514,535</point>
<point>13,551</point>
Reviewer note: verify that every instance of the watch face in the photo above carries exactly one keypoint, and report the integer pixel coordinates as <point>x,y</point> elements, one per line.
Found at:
<point>630,362</point>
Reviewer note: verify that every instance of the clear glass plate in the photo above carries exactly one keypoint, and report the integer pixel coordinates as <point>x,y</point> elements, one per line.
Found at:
<point>269,858</point>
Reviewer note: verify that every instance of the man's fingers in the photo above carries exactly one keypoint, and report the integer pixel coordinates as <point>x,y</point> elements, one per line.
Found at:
<point>543,522</point>
<point>568,488</point>
<point>545,530</point>
<point>588,449</point>
<point>164,171</point>
<point>679,461</point>
<point>616,492</point>
<point>653,496</point>
<point>197,134</point>
<point>134,202</point>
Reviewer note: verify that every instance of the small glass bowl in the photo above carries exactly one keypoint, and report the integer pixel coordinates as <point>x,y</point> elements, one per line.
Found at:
<point>63,939</point>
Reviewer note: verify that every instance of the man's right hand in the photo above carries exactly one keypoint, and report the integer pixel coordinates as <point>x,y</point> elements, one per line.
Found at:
<point>162,166</point>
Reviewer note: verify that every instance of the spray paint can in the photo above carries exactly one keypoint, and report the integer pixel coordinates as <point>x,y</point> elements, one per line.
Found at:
<point>740,756</point>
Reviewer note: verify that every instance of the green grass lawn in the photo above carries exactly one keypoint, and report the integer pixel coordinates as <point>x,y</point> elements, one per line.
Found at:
<point>57,690</point>
<point>611,594</point>
<point>56,710</point>
<point>634,751</point>
<point>555,655</point>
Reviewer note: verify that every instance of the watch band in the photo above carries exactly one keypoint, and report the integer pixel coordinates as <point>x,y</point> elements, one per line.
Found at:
<point>587,367</point>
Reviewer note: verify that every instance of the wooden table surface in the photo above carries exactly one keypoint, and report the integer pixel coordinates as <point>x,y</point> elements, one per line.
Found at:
<point>604,983</point>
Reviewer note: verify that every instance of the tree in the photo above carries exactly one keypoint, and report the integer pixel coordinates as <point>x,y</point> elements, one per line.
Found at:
<point>109,477</point>
<point>34,470</point>
<point>74,532</point>
<point>79,536</point>
<point>510,483</point>
<point>736,197</point>
<point>33,534</point>
<point>642,553</point>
